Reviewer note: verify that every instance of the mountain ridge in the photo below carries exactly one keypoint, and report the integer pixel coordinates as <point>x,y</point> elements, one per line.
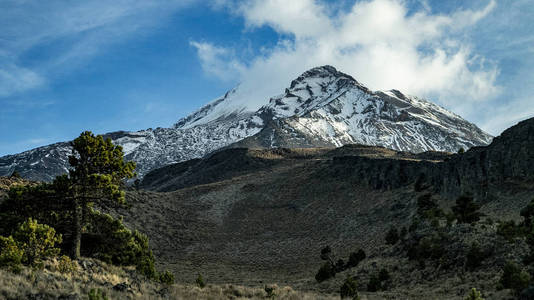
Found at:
<point>322,107</point>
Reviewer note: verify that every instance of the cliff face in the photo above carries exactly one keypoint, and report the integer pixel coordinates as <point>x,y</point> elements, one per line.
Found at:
<point>508,160</point>
<point>481,171</point>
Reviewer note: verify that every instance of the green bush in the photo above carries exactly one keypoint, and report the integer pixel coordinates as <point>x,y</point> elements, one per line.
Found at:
<point>528,214</point>
<point>355,258</point>
<point>466,210</point>
<point>349,289</point>
<point>200,281</point>
<point>383,275</point>
<point>37,241</point>
<point>474,257</point>
<point>112,242</point>
<point>97,294</point>
<point>66,265</point>
<point>514,277</point>
<point>269,290</point>
<point>374,284</point>
<point>474,295</point>
<point>326,271</point>
<point>509,230</point>
<point>428,208</point>
<point>392,236</point>
<point>10,254</point>
<point>166,277</point>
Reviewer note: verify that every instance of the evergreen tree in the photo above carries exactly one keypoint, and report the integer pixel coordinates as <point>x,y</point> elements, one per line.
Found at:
<point>466,210</point>
<point>98,171</point>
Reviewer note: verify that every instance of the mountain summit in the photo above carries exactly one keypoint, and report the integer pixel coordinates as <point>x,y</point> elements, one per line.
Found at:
<point>321,108</point>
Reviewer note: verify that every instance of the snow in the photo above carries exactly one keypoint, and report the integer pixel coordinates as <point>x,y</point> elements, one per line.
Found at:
<point>322,106</point>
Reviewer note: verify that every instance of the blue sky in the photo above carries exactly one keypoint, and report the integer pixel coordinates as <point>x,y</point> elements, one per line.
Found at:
<point>68,66</point>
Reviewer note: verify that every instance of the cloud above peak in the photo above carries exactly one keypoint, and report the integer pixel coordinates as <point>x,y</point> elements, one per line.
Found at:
<point>380,42</point>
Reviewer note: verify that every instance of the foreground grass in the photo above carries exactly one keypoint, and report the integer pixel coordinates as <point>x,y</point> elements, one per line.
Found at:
<point>95,277</point>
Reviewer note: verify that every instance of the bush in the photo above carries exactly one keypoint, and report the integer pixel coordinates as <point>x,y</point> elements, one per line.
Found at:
<point>392,236</point>
<point>527,294</point>
<point>66,265</point>
<point>428,208</point>
<point>474,295</point>
<point>270,291</point>
<point>509,230</point>
<point>166,278</point>
<point>326,271</point>
<point>383,275</point>
<point>200,281</point>
<point>528,214</point>
<point>340,265</point>
<point>514,278</point>
<point>374,284</point>
<point>466,210</point>
<point>37,241</point>
<point>112,242</point>
<point>474,257</point>
<point>10,254</point>
<point>97,294</point>
<point>355,258</point>
<point>349,289</point>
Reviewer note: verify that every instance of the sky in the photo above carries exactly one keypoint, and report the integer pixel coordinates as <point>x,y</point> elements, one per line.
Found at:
<point>69,66</point>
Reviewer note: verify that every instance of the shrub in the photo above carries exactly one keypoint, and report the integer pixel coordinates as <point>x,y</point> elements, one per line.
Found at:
<point>514,278</point>
<point>270,291</point>
<point>474,295</point>
<point>326,271</point>
<point>383,275</point>
<point>37,241</point>
<point>528,213</point>
<point>97,294</point>
<point>509,230</point>
<point>340,265</point>
<point>403,233</point>
<point>15,174</point>
<point>66,265</point>
<point>461,151</point>
<point>392,236</point>
<point>200,281</point>
<point>474,257</point>
<point>10,254</point>
<point>112,242</point>
<point>374,284</point>
<point>355,258</point>
<point>466,210</point>
<point>326,252</point>
<point>427,207</point>
<point>166,277</point>
<point>349,289</point>
<point>527,294</point>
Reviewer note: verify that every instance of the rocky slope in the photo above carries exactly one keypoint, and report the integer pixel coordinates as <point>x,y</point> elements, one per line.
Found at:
<point>268,213</point>
<point>322,107</point>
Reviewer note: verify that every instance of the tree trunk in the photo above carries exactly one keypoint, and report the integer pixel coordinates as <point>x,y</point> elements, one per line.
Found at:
<point>77,231</point>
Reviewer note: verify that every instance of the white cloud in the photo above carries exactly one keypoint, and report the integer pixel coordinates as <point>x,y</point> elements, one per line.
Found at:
<point>219,61</point>
<point>14,79</point>
<point>378,42</point>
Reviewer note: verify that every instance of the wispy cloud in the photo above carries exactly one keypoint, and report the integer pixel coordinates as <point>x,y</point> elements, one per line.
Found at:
<point>80,29</point>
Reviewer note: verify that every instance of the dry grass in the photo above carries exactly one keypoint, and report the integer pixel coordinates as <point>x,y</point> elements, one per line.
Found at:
<point>50,283</point>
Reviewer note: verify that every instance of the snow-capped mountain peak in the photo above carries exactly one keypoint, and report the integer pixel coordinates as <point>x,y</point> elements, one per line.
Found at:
<point>322,107</point>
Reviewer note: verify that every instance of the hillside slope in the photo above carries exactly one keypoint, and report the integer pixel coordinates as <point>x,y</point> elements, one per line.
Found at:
<point>270,212</point>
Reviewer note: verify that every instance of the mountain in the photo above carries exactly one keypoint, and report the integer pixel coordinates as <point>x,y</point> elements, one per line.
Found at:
<point>321,108</point>
<point>252,216</point>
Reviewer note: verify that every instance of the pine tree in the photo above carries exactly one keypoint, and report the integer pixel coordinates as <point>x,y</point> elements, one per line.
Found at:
<point>98,171</point>
<point>466,210</point>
